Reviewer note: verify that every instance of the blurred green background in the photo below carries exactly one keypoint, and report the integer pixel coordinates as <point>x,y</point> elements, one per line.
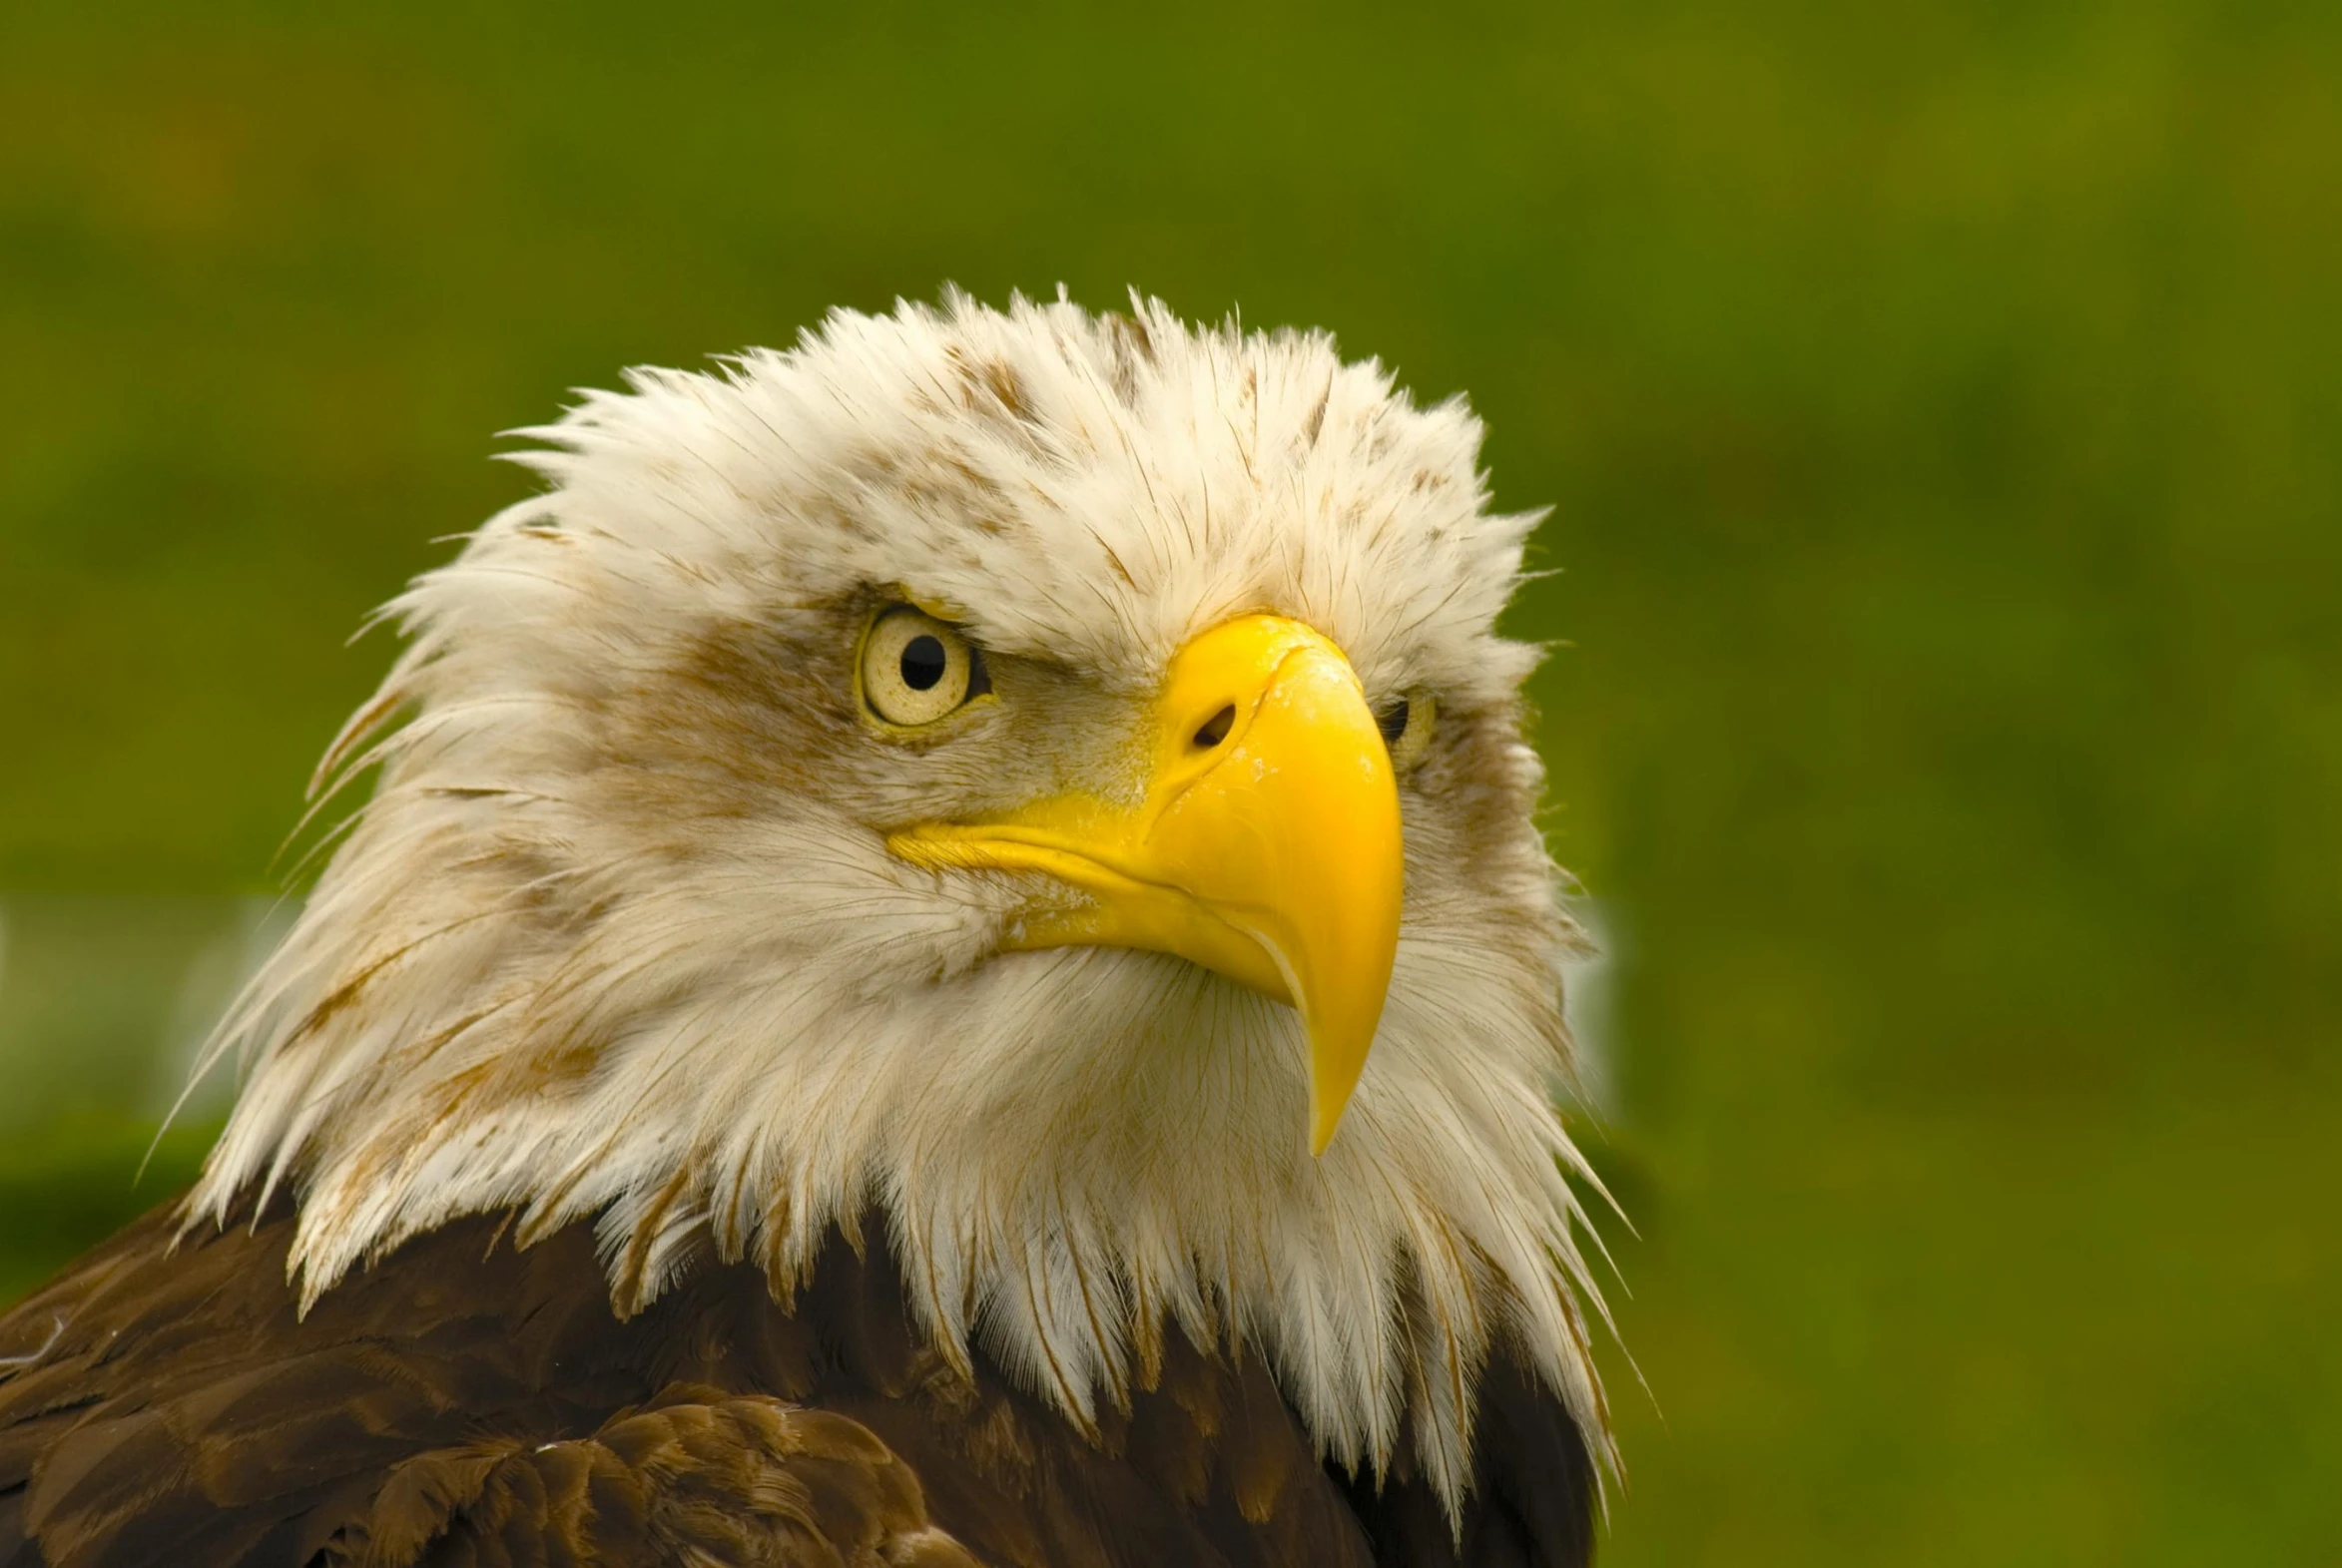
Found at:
<point>1942,408</point>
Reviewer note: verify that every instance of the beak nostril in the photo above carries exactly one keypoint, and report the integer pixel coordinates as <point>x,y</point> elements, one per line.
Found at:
<point>1215,729</point>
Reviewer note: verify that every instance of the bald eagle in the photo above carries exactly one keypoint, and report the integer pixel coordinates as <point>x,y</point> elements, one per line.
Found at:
<point>948,963</point>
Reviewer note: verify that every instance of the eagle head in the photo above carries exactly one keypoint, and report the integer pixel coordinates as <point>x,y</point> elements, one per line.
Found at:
<point>1044,783</point>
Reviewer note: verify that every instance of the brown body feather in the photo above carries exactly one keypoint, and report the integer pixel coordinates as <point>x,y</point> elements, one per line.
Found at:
<point>463,1402</point>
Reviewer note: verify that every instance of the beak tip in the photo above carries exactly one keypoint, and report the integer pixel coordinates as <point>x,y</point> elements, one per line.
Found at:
<point>1324,1120</point>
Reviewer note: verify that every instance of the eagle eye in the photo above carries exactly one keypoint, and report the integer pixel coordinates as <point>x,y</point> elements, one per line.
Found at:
<point>1406,722</point>
<point>916,669</point>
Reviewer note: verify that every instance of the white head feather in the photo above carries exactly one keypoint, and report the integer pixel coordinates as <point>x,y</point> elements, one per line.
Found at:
<point>618,936</point>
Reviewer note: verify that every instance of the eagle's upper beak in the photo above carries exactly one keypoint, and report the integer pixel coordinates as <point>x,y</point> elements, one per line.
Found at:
<point>1265,845</point>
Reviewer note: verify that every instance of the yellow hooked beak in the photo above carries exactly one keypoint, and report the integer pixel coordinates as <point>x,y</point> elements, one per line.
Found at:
<point>1265,847</point>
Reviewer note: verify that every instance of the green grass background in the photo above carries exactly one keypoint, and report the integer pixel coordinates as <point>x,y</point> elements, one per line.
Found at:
<point>1941,410</point>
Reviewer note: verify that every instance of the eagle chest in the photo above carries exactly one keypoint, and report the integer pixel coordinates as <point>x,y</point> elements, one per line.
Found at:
<point>464,1401</point>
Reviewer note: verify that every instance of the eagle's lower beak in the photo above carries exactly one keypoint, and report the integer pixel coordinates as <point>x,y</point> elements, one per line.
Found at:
<point>1266,844</point>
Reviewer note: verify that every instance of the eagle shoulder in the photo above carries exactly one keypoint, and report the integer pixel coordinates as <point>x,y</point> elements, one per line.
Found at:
<point>696,1476</point>
<point>461,1403</point>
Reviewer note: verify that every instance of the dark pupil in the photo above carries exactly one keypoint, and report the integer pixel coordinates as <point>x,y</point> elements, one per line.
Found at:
<point>923,661</point>
<point>1391,720</point>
